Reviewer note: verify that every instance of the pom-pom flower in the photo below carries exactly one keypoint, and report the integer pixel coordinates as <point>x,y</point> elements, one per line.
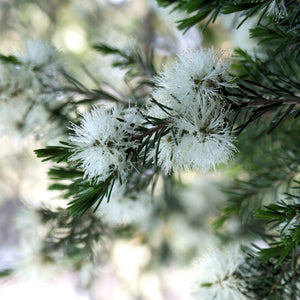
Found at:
<point>35,74</point>
<point>197,141</point>
<point>29,90</point>
<point>200,72</point>
<point>216,275</point>
<point>39,55</point>
<point>188,96</point>
<point>102,141</point>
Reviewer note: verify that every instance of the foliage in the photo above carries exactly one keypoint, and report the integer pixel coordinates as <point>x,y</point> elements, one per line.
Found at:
<point>212,9</point>
<point>74,237</point>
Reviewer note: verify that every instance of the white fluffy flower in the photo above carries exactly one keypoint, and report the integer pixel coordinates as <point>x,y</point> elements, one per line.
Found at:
<point>189,97</point>
<point>39,54</point>
<point>123,209</point>
<point>215,278</point>
<point>37,72</point>
<point>28,90</point>
<point>19,117</point>
<point>198,140</point>
<point>101,141</point>
<point>17,82</point>
<point>199,72</point>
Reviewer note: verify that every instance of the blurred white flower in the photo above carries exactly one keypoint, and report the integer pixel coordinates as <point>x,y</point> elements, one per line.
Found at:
<point>37,72</point>
<point>28,90</point>
<point>102,140</point>
<point>17,82</point>
<point>124,209</point>
<point>215,275</point>
<point>31,263</point>
<point>39,54</point>
<point>185,236</point>
<point>20,117</point>
<point>201,198</point>
<point>12,114</point>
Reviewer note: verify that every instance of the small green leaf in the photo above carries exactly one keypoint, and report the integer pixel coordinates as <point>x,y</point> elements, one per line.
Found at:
<point>10,59</point>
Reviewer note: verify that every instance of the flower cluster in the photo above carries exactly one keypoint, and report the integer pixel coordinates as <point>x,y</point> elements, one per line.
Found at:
<point>36,71</point>
<point>28,88</point>
<point>196,135</point>
<point>189,97</point>
<point>190,119</point>
<point>101,143</point>
<point>215,275</point>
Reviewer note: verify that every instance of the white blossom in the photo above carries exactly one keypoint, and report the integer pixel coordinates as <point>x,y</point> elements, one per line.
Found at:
<point>198,140</point>
<point>39,54</point>
<point>199,72</point>
<point>101,141</point>
<point>188,96</point>
<point>215,277</point>
<point>124,209</point>
<point>28,90</point>
<point>19,117</point>
<point>36,74</point>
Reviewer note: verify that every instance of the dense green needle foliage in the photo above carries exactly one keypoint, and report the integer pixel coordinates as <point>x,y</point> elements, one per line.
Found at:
<point>84,194</point>
<point>208,11</point>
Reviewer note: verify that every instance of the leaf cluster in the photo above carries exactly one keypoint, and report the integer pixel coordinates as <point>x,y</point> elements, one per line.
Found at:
<point>280,33</point>
<point>265,280</point>
<point>90,96</point>
<point>278,263</point>
<point>265,167</point>
<point>265,88</point>
<point>70,236</point>
<point>284,215</point>
<point>208,11</point>
<point>69,179</point>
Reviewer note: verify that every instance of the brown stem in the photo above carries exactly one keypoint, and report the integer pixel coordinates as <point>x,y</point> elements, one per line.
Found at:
<point>152,130</point>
